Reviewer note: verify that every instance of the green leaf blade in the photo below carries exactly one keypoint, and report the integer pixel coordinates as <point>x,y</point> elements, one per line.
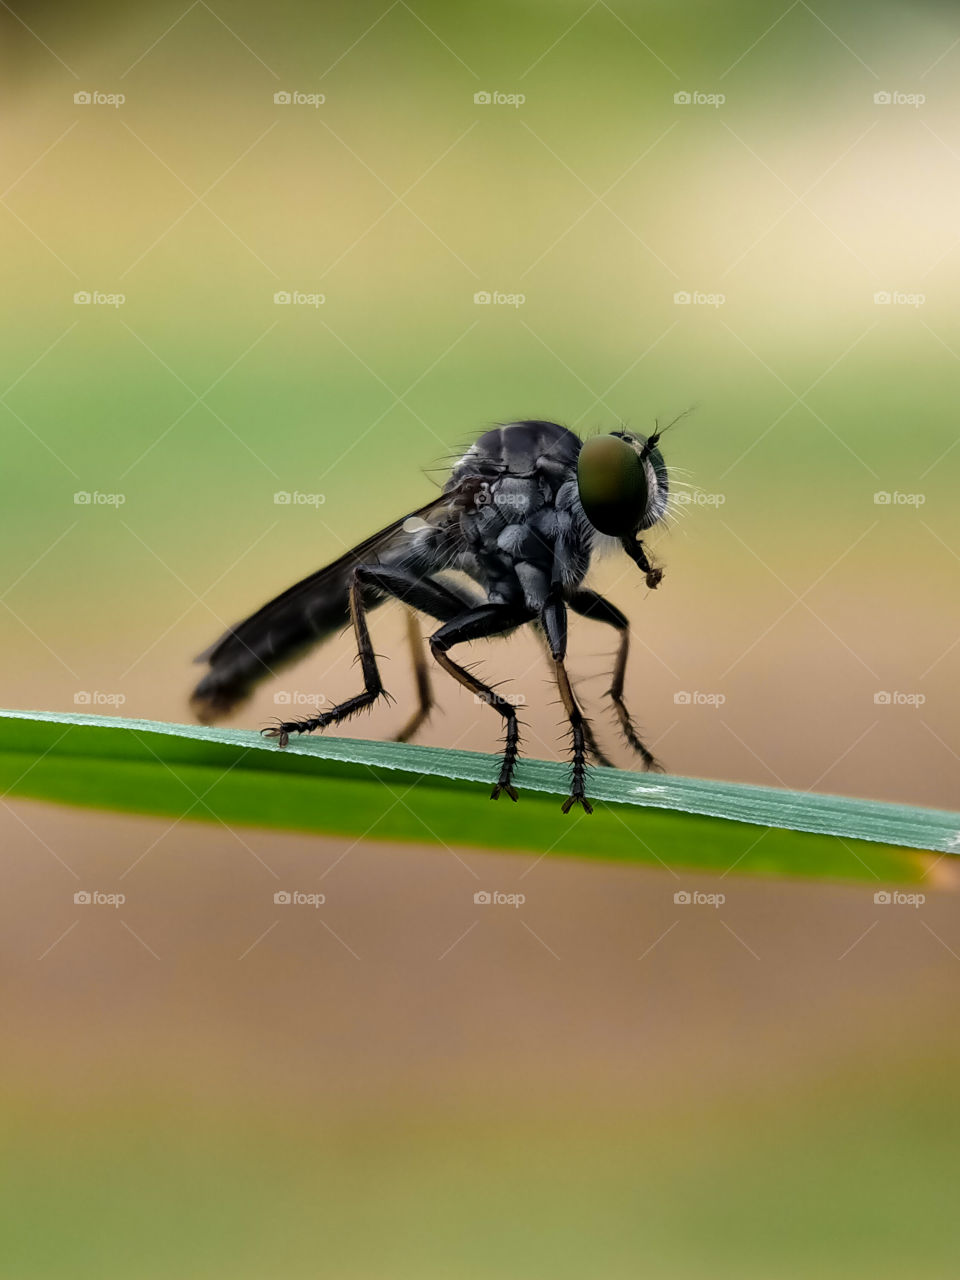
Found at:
<point>400,792</point>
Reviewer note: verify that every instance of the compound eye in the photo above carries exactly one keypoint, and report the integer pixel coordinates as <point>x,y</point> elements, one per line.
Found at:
<point>613,485</point>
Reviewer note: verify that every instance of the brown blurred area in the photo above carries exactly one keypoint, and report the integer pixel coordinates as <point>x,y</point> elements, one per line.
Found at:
<point>400,983</point>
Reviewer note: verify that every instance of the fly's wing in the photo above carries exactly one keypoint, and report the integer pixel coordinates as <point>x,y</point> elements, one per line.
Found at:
<point>306,614</point>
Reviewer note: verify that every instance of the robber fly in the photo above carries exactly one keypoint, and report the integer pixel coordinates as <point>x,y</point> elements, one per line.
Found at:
<point>521,515</point>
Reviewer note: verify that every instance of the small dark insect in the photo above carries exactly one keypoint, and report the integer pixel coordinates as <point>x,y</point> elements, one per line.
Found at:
<point>521,515</point>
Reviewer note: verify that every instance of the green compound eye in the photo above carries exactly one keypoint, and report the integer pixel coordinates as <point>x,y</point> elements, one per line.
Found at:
<point>613,485</point>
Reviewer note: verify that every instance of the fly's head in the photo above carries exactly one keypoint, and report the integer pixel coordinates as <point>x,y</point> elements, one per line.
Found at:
<point>622,480</point>
<point>623,486</point>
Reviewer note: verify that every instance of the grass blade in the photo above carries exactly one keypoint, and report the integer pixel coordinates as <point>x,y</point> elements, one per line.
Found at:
<point>395,791</point>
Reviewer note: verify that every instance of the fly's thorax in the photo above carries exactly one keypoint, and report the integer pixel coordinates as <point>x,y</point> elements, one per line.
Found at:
<point>516,498</point>
<point>504,503</point>
<point>516,536</point>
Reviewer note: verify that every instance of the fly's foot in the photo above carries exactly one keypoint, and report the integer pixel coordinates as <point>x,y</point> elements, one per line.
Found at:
<point>577,798</point>
<point>278,731</point>
<point>510,753</point>
<point>283,729</point>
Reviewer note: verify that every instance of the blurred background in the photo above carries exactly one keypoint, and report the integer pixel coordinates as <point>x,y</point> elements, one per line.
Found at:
<point>266,272</point>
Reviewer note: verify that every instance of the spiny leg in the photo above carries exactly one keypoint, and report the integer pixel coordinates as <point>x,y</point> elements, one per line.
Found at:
<point>424,594</point>
<point>478,624</point>
<point>599,755</point>
<point>554,621</point>
<point>589,604</point>
<point>418,657</point>
<point>421,676</point>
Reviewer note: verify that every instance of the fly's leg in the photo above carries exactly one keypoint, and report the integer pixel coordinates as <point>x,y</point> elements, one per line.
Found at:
<point>479,624</point>
<point>421,675</point>
<point>591,605</point>
<point>634,549</point>
<point>593,747</point>
<point>372,684</point>
<point>554,622</point>
<point>599,755</point>
<point>424,594</point>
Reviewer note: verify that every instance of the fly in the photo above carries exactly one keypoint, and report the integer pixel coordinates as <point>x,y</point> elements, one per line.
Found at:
<point>521,516</point>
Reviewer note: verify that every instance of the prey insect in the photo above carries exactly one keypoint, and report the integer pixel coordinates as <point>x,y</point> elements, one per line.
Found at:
<point>520,518</point>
